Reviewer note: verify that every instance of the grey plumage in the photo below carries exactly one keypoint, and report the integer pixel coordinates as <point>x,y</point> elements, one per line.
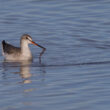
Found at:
<point>10,49</point>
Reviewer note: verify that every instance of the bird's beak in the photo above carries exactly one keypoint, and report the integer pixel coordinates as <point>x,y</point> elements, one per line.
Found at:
<point>37,45</point>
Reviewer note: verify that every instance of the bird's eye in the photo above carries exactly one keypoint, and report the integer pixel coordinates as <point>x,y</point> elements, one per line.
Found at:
<point>26,37</point>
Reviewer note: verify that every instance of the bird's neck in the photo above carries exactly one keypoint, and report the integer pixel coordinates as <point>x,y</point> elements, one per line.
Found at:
<point>25,50</point>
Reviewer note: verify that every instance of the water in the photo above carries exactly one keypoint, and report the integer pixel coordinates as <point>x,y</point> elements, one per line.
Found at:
<point>74,73</point>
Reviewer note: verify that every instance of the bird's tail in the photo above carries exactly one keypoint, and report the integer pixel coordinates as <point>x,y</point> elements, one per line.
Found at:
<point>3,46</point>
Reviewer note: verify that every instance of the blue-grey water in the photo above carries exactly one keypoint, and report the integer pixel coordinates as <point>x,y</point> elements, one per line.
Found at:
<point>74,72</point>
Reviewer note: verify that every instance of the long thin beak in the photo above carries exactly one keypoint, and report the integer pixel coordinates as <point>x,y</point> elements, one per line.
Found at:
<point>38,45</point>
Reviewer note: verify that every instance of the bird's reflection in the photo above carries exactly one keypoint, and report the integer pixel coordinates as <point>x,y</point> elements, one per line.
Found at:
<point>25,71</point>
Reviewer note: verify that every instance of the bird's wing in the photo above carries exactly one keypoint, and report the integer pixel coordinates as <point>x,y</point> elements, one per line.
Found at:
<point>8,48</point>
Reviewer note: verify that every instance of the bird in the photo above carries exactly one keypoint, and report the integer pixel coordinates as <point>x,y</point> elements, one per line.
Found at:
<point>22,53</point>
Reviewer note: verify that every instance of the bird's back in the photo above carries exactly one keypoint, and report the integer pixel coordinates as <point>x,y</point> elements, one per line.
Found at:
<point>9,49</point>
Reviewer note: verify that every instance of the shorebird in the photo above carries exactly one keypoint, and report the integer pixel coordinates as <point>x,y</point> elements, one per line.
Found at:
<point>22,53</point>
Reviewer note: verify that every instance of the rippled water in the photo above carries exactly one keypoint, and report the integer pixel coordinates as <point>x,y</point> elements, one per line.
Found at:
<point>74,73</point>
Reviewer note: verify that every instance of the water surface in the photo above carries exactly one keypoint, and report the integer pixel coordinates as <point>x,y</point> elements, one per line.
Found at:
<point>74,73</point>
